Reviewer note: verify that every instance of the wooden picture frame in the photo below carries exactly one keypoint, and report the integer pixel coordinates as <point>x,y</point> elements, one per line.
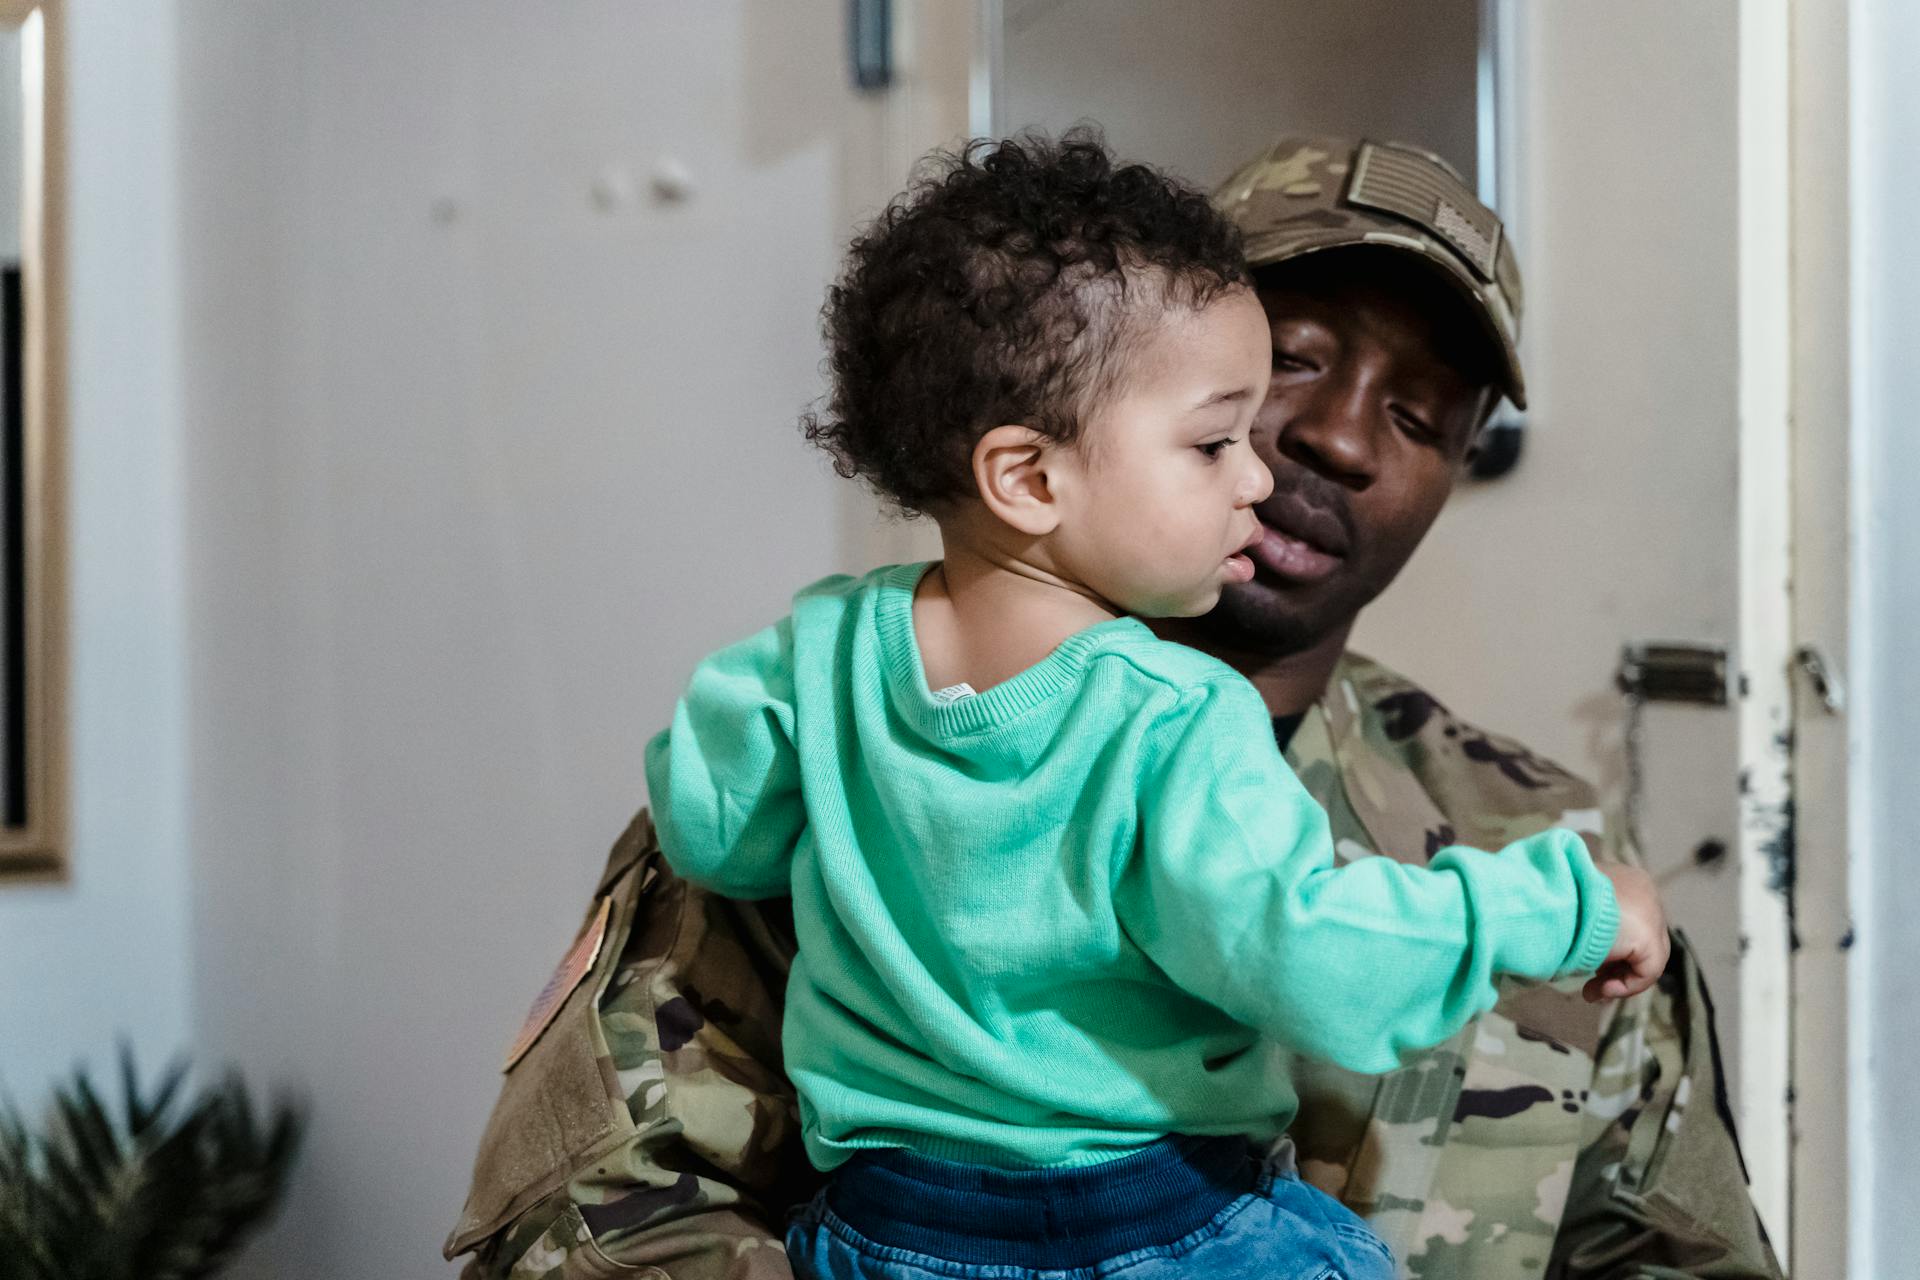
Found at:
<point>33,674</point>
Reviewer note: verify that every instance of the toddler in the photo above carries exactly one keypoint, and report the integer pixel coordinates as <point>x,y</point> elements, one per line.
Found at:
<point>1063,911</point>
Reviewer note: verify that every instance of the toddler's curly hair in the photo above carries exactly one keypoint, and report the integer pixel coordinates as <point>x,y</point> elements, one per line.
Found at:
<point>1004,286</point>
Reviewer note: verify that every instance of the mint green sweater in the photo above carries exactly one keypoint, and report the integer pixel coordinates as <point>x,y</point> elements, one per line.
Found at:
<point>1084,909</point>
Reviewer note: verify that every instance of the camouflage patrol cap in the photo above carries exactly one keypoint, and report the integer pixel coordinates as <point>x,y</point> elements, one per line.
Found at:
<point>1306,195</point>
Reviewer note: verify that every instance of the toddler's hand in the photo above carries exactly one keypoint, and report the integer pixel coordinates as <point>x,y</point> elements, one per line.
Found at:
<point>1639,954</point>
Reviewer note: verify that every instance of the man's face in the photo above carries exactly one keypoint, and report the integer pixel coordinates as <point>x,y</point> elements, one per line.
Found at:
<point>1367,420</point>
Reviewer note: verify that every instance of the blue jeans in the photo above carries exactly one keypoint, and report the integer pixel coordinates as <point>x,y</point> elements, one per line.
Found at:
<point>1184,1207</point>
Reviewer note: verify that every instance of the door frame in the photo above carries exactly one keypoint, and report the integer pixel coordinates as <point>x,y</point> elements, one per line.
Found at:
<point>1825,1041</point>
<point>1765,704</point>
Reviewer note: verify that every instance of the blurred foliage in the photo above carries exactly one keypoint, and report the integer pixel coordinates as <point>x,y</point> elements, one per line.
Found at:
<point>167,1186</point>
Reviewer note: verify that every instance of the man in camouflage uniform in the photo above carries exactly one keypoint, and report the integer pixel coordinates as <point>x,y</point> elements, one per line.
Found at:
<point>648,1130</point>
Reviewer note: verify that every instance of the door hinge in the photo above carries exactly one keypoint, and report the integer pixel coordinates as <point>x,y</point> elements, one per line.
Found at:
<point>1826,685</point>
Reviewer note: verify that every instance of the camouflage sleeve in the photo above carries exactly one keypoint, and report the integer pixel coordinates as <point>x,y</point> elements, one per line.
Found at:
<point>1659,1190</point>
<point>694,1156</point>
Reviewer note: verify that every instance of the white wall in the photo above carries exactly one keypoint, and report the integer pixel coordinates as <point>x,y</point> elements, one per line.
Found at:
<point>105,952</point>
<point>1886,287</point>
<point>478,470</point>
<point>1202,85</point>
<point>11,141</point>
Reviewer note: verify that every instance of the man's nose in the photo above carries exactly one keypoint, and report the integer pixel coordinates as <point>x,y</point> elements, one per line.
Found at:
<point>1332,429</point>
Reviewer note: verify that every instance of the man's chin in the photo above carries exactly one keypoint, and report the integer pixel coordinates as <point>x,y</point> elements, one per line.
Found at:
<point>1259,617</point>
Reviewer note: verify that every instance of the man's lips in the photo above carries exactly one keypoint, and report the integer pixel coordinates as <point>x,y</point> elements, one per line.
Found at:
<point>1291,559</point>
<point>1294,515</point>
<point>1300,542</point>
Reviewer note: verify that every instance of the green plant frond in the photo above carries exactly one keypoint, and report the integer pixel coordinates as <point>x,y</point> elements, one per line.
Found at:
<point>88,1130</point>
<point>170,1188</point>
<point>144,1113</point>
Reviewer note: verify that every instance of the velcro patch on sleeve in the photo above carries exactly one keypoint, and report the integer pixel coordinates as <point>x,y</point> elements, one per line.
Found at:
<point>576,965</point>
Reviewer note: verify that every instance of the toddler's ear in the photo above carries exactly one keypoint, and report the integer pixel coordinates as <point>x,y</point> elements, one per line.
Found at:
<point>1010,469</point>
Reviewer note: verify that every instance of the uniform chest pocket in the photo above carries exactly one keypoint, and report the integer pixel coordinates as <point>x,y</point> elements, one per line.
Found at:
<point>1521,1112</point>
<point>1522,1087</point>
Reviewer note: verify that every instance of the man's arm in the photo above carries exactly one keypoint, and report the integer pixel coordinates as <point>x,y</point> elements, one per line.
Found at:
<point>1660,1190</point>
<point>693,1180</point>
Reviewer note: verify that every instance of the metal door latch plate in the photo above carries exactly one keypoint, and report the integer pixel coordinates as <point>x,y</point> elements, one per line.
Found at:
<point>1674,673</point>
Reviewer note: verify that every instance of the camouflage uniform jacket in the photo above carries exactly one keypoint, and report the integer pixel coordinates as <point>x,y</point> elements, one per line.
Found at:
<point>649,1131</point>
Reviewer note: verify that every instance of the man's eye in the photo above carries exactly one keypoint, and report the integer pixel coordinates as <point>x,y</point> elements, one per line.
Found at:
<point>1417,427</point>
<point>1289,362</point>
<point>1214,448</point>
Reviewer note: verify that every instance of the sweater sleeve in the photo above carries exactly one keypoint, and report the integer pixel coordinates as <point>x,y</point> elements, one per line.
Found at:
<point>724,779</point>
<point>1233,891</point>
